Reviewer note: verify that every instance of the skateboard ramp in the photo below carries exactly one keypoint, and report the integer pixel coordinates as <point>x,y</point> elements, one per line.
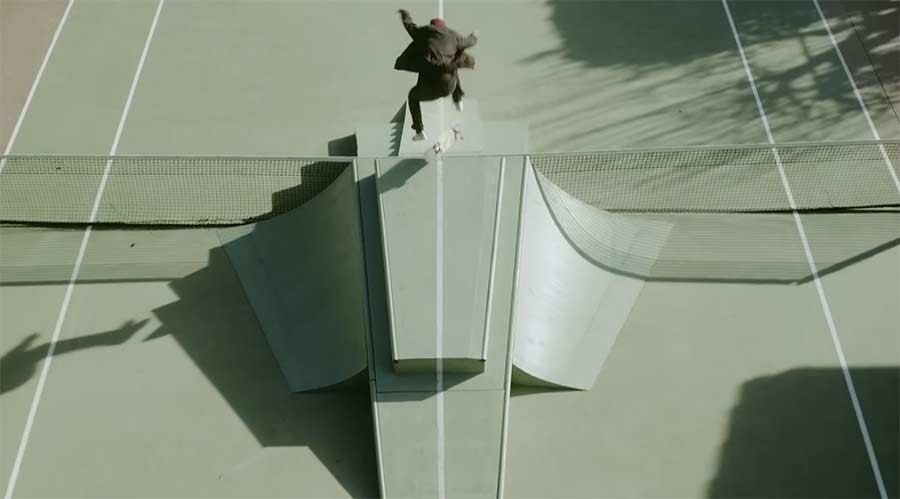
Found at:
<point>571,300</point>
<point>304,275</point>
<point>441,271</point>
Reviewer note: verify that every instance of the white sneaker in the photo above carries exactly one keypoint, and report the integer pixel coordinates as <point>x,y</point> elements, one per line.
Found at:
<point>458,105</point>
<point>420,136</point>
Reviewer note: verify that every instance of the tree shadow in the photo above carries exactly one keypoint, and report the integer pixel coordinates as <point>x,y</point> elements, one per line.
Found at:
<point>653,43</point>
<point>795,434</point>
<point>631,33</point>
<point>21,363</point>
<point>787,90</point>
<point>877,28</point>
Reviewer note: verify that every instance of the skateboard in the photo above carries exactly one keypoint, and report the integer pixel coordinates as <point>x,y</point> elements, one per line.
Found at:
<point>444,143</point>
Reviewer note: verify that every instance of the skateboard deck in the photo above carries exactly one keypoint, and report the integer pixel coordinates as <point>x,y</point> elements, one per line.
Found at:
<point>444,143</point>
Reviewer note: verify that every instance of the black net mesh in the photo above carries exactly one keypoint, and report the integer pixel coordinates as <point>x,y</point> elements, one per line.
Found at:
<point>157,190</point>
<point>729,179</point>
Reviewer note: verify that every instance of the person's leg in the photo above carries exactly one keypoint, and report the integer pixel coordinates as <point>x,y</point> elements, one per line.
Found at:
<point>458,91</point>
<point>415,110</point>
<point>458,94</point>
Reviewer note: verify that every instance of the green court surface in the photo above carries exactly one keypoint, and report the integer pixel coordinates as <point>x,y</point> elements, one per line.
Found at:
<point>760,355</point>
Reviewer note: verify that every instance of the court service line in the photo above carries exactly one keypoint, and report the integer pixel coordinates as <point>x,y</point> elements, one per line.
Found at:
<point>857,409</point>
<point>57,329</point>
<point>519,249</point>
<point>439,298</point>
<point>35,83</point>
<point>439,323</point>
<point>859,98</point>
<point>488,313</point>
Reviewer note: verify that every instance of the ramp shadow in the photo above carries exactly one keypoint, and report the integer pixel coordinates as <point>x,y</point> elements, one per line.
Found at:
<point>343,146</point>
<point>397,176</point>
<point>215,324</point>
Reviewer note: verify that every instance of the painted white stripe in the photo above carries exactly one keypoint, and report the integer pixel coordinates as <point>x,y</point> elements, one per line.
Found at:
<point>127,108</point>
<point>35,84</point>
<point>373,393</point>
<point>370,355</point>
<point>387,264</point>
<point>510,349</point>
<point>439,298</point>
<point>439,319</point>
<point>859,98</point>
<point>70,288</point>
<point>857,409</point>
<point>488,312</point>
<point>42,380</point>
<point>441,487</point>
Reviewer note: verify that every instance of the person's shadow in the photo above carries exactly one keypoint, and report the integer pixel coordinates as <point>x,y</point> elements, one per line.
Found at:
<point>19,364</point>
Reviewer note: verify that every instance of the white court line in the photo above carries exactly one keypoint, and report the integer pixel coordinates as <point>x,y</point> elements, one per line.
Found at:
<point>857,409</point>
<point>439,312</point>
<point>439,325</point>
<point>57,329</point>
<point>513,317</point>
<point>439,320</point>
<point>488,313</point>
<point>34,85</point>
<point>859,98</point>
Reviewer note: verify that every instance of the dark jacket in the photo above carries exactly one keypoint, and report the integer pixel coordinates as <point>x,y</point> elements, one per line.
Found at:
<point>434,83</point>
<point>434,47</point>
<point>412,60</point>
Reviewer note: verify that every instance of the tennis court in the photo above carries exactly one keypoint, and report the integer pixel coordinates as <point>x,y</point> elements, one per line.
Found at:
<point>761,358</point>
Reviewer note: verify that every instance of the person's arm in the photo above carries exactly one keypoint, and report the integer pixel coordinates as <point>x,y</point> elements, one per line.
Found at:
<point>464,60</point>
<point>408,23</point>
<point>467,41</point>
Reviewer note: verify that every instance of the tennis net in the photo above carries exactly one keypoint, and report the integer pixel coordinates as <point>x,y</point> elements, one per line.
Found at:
<point>158,190</point>
<point>727,210</point>
<point>730,179</point>
<point>148,190</point>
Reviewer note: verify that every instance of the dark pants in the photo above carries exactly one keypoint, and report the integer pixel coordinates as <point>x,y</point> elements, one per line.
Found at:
<point>429,89</point>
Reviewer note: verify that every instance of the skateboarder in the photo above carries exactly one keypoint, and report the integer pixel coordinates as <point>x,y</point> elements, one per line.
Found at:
<point>435,54</point>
